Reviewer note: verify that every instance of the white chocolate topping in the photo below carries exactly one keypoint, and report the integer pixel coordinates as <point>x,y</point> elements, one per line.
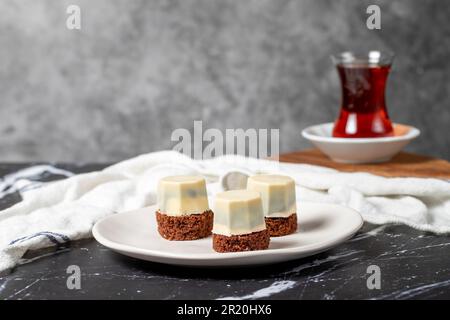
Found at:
<point>238,212</point>
<point>182,195</point>
<point>277,194</point>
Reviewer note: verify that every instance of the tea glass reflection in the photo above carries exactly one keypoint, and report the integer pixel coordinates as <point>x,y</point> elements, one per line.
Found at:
<point>363,79</point>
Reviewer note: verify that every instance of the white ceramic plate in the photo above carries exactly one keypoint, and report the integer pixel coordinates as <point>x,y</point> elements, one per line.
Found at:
<point>134,234</point>
<point>359,150</point>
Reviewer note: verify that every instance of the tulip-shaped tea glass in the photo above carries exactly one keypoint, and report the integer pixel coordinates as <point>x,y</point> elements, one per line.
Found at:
<point>363,110</point>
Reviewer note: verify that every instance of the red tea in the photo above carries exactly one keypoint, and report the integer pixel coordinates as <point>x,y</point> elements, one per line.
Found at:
<point>363,111</point>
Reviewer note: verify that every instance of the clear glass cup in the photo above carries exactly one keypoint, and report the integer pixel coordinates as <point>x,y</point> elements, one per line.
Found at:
<point>363,78</point>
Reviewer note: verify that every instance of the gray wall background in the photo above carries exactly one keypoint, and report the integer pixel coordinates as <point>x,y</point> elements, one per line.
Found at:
<point>140,69</point>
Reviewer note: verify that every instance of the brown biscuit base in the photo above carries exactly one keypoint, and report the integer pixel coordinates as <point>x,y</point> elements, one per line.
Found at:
<point>188,227</point>
<point>246,242</point>
<point>281,226</point>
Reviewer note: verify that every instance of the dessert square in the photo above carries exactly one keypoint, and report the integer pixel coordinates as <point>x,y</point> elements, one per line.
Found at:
<point>183,213</point>
<point>278,200</point>
<point>239,222</point>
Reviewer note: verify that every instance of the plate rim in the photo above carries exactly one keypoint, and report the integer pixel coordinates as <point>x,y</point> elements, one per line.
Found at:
<point>309,249</point>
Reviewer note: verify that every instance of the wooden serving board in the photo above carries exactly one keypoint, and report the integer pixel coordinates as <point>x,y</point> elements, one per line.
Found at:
<point>402,165</point>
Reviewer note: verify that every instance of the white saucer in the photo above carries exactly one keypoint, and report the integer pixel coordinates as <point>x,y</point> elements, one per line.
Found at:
<point>134,234</point>
<point>359,150</point>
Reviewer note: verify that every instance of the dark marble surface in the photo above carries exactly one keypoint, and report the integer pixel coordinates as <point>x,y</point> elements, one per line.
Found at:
<point>414,265</point>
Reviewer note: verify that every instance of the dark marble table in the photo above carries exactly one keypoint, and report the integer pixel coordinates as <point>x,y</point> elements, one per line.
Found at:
<point>413,265</point>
